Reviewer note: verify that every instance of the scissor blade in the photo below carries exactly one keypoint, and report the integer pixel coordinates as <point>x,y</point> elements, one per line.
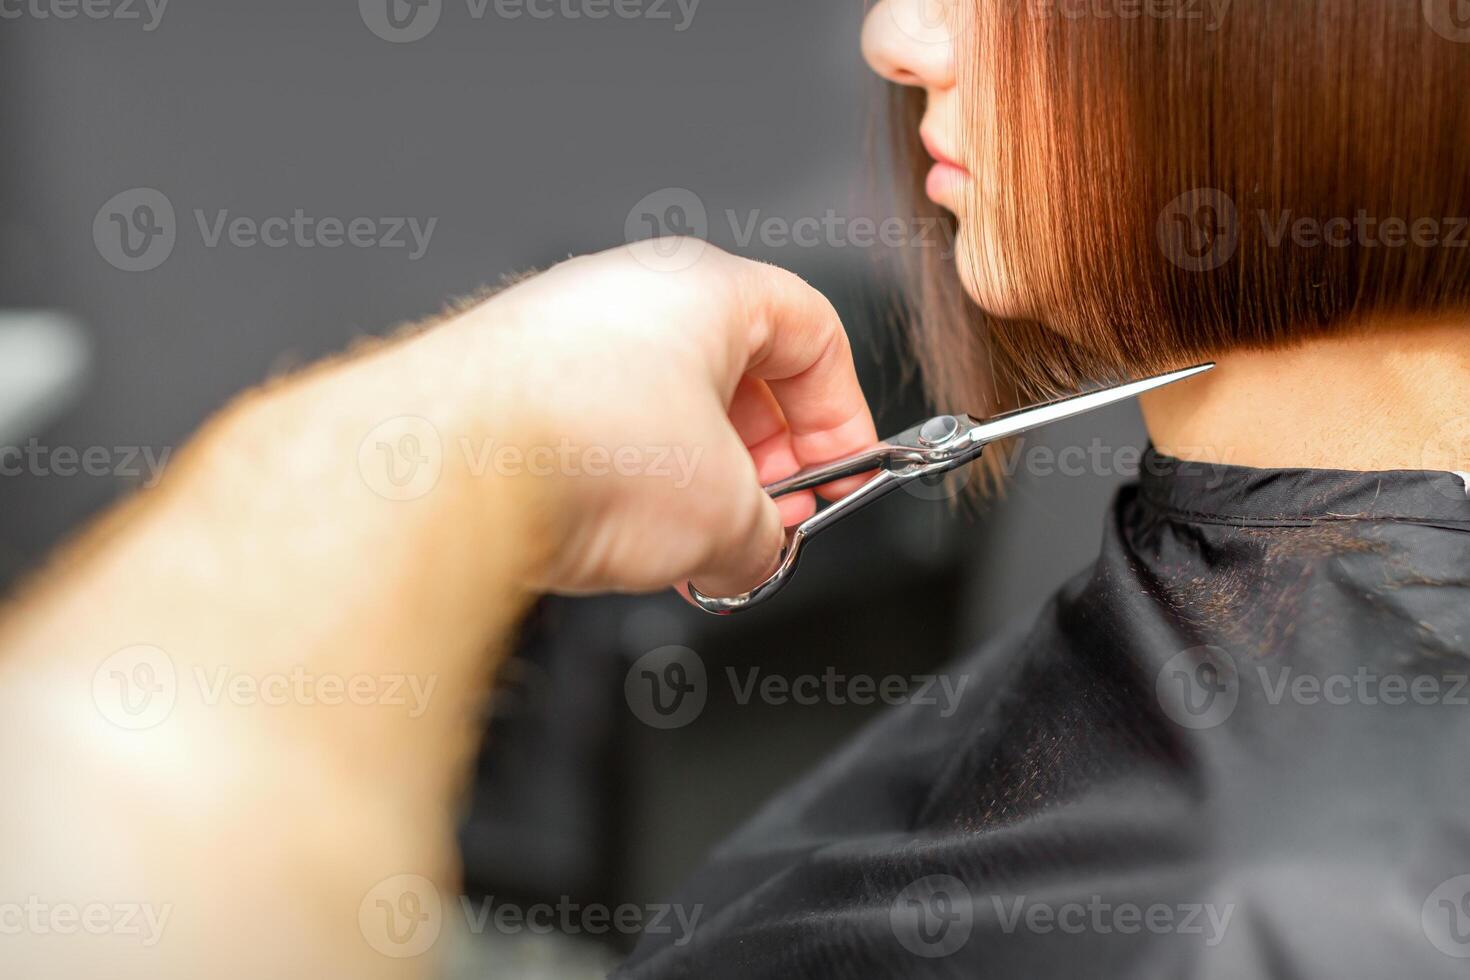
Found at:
<point>1026,419</point>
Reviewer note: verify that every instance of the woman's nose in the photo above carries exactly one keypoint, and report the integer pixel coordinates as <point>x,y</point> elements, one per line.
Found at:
<point>911,42</point>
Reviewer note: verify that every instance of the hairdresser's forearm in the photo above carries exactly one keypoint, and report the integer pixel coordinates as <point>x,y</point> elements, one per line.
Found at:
<point>277,541</point>
<point>329,647</point>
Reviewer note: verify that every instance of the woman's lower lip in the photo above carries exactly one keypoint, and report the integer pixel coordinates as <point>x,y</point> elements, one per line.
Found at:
<point>944,183</point>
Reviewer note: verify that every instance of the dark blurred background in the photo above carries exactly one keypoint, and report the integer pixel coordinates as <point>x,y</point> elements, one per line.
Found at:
<point>528,139</point>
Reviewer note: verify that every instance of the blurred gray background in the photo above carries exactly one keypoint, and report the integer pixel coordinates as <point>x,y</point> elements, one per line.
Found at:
<point>528,139</point>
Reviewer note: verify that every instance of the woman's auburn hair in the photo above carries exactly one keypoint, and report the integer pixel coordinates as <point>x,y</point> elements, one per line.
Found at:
<point>1145,165</point>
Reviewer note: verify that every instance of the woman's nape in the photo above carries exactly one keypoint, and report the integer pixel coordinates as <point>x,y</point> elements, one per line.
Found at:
<point>1388,396</point>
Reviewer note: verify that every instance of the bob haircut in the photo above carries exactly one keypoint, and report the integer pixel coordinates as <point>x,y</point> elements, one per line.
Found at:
<point>1179,178</point>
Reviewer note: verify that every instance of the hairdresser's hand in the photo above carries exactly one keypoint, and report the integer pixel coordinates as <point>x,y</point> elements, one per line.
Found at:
<point>662,401</point>
<point>300,535</point>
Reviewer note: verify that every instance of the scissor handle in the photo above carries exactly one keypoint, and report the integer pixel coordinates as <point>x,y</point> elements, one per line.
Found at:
<point>881,455</point>
<point>883,482</point>
<point>724,606</point>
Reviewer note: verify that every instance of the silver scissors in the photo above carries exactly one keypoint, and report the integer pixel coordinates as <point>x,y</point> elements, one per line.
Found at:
<point>936,445</point>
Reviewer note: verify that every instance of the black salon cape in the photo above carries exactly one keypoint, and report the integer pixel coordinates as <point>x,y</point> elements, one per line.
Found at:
<point>1129,789</point>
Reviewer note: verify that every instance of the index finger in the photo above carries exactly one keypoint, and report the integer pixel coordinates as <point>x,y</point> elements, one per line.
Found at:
<point>798,347</point>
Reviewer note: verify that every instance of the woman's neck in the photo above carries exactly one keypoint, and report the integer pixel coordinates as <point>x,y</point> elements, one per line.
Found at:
<point>1392,396</point>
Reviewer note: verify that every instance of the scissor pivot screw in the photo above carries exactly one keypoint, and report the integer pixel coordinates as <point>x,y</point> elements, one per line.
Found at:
<point>938,431</point>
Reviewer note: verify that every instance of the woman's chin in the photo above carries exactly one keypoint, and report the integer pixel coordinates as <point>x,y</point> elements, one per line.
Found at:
<point>991,289</point>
